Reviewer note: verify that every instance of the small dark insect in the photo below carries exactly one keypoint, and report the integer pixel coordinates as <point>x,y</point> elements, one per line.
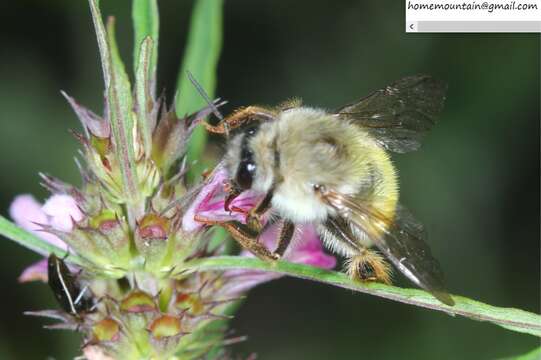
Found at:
<point>66,289</point>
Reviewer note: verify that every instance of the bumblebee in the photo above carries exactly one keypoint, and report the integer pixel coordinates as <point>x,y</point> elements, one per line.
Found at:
<point>333,170</point>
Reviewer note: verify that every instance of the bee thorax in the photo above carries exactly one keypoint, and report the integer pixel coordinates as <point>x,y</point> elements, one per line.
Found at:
<point>299,205</point>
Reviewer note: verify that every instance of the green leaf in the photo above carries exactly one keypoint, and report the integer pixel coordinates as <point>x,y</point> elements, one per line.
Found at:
<point>102,40</point>
<point>120,115</point>
<point>32,242</point>
<point>201,59</point>
<point>535,354</point>
<point>143,95</point>
<point>119,100</point>
<point>509,318</point>
<point>146,23</point>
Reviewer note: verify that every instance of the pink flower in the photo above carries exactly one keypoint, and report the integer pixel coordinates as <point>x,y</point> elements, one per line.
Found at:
<point>209,203</point>
<point>58,212</point>
<point>305,248</point>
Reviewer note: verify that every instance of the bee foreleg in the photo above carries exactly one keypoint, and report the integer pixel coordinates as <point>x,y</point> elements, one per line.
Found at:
<point>233,191</point>
<point>239,118</point>
<point>247,238</point>
<point>244,235</point>
<point>254,216</point>
<point>286,234</point>
<point>369,265</point>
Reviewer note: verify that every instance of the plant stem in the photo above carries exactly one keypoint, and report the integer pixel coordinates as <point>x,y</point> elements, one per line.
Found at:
<point>32,242</point>
<point>509,318</point>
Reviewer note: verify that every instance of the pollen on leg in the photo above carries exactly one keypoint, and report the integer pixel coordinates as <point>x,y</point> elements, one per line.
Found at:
<point>254,220</point>
<point>369,266</point>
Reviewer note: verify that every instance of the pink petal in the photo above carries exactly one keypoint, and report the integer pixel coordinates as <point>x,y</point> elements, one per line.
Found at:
<point>94,352</point>
<point>59,212</point>
<point>28,214</point>
<point>205,195</point>
<point>306,248</point>
<point>214,208</point>
<point>26,211</point>
<point>62,210</point>
<point>209,203</point>
<point>36,271</point>
<point>241,281</point>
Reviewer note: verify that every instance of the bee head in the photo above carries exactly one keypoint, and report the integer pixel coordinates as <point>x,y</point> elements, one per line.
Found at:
<point>240,158</point>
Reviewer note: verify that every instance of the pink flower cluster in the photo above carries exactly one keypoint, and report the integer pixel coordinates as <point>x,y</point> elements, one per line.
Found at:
<point>60,212</point>
<point>306,247</point>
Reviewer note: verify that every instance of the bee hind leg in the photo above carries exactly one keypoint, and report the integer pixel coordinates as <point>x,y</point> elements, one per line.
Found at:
<point>369,265</point>
<point>244,235</point>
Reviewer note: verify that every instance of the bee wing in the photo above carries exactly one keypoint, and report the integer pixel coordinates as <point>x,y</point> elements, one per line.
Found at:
<point>399,115</point>
<point>401,239</point>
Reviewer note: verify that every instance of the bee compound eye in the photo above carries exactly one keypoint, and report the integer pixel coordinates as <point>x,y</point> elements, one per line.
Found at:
<point>251,131</point>
<point>318,188</point>
<point>245,174</point>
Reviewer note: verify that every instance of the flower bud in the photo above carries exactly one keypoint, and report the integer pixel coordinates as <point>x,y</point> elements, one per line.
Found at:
<point>102,145</point>
<point>151,238</point>
<point>106,330</point>
<point>192,303</point>
<point>138,301</point>
<point>165,326</point>
<point>112,234</point>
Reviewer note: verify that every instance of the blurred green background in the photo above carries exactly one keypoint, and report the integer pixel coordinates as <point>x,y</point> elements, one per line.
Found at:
<point>475,183</point>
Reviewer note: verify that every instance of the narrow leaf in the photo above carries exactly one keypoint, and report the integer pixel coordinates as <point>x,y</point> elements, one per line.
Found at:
<point>535,354</point>
<point>120,115</point>
<point>118,98</point>
<point>509,318</point>
<point>201,59</point>
<point>31,241</point>
<point>102,40</point>
<point>146,24</point>
<point>143,96</point>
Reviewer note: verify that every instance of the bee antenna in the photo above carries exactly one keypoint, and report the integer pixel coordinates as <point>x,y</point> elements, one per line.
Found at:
<point>209,102</point>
